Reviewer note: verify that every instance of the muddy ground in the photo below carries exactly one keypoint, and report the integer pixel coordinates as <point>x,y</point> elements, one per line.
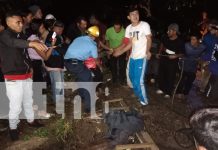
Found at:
<point>161,120</point>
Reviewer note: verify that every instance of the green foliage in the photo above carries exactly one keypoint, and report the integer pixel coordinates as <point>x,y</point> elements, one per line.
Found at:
<point>63,129</point>
<point>41,132</point>
<point>26,138</point>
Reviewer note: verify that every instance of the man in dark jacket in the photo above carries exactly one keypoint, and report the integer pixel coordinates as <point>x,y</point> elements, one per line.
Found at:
<point>16,69</point>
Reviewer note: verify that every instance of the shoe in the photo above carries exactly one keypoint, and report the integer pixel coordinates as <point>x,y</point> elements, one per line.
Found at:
<point>14,134</point>
<point>166,96</point>
<point>43,114</point>
<point>35,124</point>
<point>159,92</point>
<point>152,80</point>
<point>143,103</point>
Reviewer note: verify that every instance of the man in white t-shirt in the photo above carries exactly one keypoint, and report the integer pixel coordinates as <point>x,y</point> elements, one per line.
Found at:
<point>138,40</point>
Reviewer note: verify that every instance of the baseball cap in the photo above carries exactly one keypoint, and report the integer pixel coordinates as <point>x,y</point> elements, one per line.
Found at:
<point>49,16</point>
<point>174,27</point>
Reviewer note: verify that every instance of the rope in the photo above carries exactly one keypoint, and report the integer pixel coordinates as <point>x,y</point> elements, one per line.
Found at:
<point>181,74</point>
<point>180,78</point>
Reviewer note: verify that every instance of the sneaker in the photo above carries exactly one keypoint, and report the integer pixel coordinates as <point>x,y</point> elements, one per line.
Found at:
<point>143,103</point>
<point>159,92</point>
<point>43,114</point>
<point>14,134</point>
<point>166,96</point>
<point>35,124</point>
<point>152,80</point>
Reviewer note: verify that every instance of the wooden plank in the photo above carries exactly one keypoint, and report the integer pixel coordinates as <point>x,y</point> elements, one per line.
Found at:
<point>119,108</point>
<point>144,137</point>
<point>123,104</point>
<point>114,100</point>
<point>147,146</point>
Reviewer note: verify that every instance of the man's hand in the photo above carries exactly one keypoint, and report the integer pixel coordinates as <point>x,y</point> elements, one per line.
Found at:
<point>53,42</point>
<point>173,56</point>
<point>116,52</point>
<point>38,46</point>
<point>148,55</point>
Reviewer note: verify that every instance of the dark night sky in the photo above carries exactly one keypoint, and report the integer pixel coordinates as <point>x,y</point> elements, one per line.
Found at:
<point>107,8</point>
<point>67,10</point>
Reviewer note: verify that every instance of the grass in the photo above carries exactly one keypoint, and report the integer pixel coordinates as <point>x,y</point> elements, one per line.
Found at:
<point>63,129</point>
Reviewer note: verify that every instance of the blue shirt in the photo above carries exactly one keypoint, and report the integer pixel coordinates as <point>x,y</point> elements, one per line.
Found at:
<point>209,40</point>
<point>191,55</point>
<point>82,48</point>
<point>211,43</point>
<point>213,65</point>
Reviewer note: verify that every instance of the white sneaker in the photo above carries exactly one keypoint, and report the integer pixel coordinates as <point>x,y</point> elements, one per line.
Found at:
<point>166,96</point>
<point>152,80</point>
<point>159,92</point>
<point>143,103</point>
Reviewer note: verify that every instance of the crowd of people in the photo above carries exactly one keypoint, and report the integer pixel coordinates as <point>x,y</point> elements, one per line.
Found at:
<point>38,48</point>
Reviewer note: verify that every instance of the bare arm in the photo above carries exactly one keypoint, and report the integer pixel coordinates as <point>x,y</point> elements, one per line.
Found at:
<point>38,46</point>
<point>98,63</point>
<point>43,53</point>
<point>161,48</point>
<point>104,46</point>
<point>149,42</point>
<point>122,49</point>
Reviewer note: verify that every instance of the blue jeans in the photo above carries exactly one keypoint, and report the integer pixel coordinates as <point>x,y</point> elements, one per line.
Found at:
<point>137,69</point>
<point>57,89</point>
<point>82,74</point>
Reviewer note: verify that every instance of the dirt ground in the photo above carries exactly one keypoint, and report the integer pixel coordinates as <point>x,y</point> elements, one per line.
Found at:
<point>161,120</point>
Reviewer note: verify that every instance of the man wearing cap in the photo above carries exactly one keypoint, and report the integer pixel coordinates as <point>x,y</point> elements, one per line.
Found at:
<point>49,16</point>
<point>172,47</point>
<point>49,21</point>
<point>80,50</point>
<point>55,64</point>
